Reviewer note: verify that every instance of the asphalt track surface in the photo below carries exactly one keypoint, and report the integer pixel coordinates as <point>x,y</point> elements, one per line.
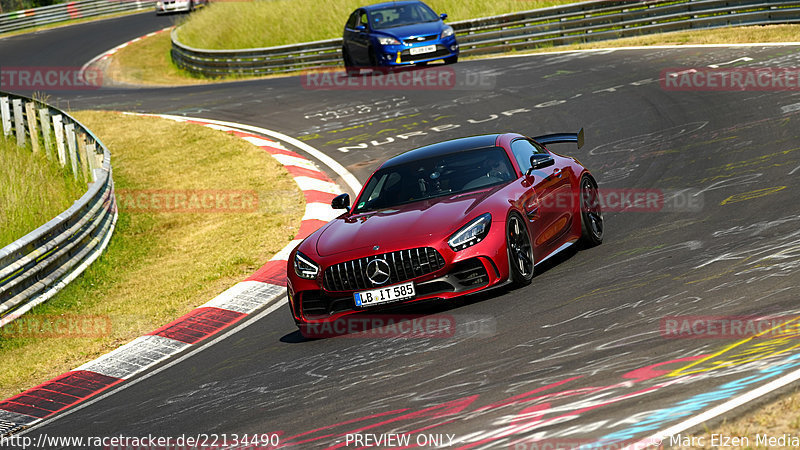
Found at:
<point>578,356</point>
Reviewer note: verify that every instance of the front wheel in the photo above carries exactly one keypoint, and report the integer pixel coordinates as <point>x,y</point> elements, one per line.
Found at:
<point>520,251</point>
<point>349,67</point>
<point>591,213</point>
<point>451,60</point>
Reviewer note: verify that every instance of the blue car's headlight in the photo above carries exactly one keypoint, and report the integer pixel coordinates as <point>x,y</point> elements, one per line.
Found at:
<point>448,31</point>
<point>304,267</point>
<point>471,233</point>
<point>388,41</point>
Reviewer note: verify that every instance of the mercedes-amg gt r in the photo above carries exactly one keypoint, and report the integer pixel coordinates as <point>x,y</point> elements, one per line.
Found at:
<point>445,220</point>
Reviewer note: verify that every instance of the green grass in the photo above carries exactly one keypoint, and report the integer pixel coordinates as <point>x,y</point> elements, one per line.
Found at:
<point>233,25</point>
<point>159,265</point>
<point>33,190</point>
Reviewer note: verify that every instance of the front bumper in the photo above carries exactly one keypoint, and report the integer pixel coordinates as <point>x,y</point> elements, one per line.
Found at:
<point>172,6</point>
<point>400,55</point>
<point>464,272</point>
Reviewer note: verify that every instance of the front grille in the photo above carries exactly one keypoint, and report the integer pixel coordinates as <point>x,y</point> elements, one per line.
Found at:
<point>406,56</point>
<point>403,265</point>
<point>414,40</point>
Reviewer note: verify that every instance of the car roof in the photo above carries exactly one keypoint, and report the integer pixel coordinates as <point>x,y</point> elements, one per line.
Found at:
<point>385,4</point>
<point>443,148</point>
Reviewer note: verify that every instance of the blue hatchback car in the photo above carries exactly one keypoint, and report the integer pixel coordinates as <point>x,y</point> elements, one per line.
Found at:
<point>397,34</point>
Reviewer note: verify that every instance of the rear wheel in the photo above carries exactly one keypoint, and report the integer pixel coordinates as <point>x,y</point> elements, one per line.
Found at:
<point>520,251</point>
<point>591,213</point>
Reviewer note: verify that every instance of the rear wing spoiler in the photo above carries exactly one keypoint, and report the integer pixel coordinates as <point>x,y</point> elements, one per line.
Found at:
<point>558,138</point>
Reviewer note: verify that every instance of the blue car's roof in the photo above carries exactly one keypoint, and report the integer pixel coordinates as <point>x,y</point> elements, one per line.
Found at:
<point>384,4</point>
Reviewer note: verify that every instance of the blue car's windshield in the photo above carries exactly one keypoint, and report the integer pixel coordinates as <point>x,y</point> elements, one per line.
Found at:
<point>397,16</point>
<point>438,176</point>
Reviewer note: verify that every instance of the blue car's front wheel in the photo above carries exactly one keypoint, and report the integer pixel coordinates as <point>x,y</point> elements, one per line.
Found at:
<point>349,67</point>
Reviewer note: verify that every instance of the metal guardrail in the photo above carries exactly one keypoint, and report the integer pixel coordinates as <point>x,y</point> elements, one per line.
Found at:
<point>45,15</point>
<point>41,263</point>
<point>560,25</point>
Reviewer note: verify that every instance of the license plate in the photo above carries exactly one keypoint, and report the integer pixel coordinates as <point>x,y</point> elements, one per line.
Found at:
<point>385,295</point>
<point>421,50</point>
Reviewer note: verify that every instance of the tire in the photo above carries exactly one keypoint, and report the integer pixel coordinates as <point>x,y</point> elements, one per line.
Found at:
<point>519,250</point>
<point>373,61</point>
<point>351,69</point>
<point>451,60</point>
<point>591,213</point>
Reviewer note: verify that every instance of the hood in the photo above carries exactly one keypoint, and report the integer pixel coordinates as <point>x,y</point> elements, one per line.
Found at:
<point>413,224</point>
<point>417,29</point>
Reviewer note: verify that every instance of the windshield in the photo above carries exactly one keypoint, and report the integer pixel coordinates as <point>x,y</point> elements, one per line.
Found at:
<point>396,16</point>
<point>435,177</point>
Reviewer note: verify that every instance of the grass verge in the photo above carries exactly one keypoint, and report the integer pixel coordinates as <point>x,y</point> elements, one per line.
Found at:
<point>24,204</point>
<point>147,62</point>
<point>159,265</point>
<point>736,35</point>
<point>227,25</point>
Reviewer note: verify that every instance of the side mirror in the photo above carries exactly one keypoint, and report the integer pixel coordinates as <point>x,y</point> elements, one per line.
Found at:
<point>341,201</point>
<point>540,161</point>
<point>443,16</point>
<point>361,28</point>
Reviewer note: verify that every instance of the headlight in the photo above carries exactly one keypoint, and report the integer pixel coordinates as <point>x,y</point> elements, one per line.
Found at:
<point>304,267</point>
<point>448,31</point>
<point>388,41</point>
<point>471,233</point>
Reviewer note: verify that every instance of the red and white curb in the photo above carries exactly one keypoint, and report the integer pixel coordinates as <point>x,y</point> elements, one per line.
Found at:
<point>265,286</point>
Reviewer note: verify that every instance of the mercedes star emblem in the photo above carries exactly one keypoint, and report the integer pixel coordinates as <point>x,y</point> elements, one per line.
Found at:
<point>378,271</point>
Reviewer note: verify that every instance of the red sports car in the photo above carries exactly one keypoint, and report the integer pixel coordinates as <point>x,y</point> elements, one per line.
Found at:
<point>445,220</point>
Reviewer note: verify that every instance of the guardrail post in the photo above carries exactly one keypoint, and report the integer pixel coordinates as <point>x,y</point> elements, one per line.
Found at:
<point>69,130</point>
<point>44,119</point>
<point>19,123</point>
<point>58,126</point>
<point>91,156</point>
<point>30,114</point>
<point>6,116</point>
<point>82,155</point>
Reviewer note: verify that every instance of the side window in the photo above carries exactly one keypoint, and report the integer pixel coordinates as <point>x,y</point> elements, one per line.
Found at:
<point>352,21</point>
<point>364,21</point>
<point>523,149</point>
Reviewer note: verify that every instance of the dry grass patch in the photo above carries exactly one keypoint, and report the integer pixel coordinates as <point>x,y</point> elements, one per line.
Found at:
<point>160,265</point>
<point>774,419</point>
